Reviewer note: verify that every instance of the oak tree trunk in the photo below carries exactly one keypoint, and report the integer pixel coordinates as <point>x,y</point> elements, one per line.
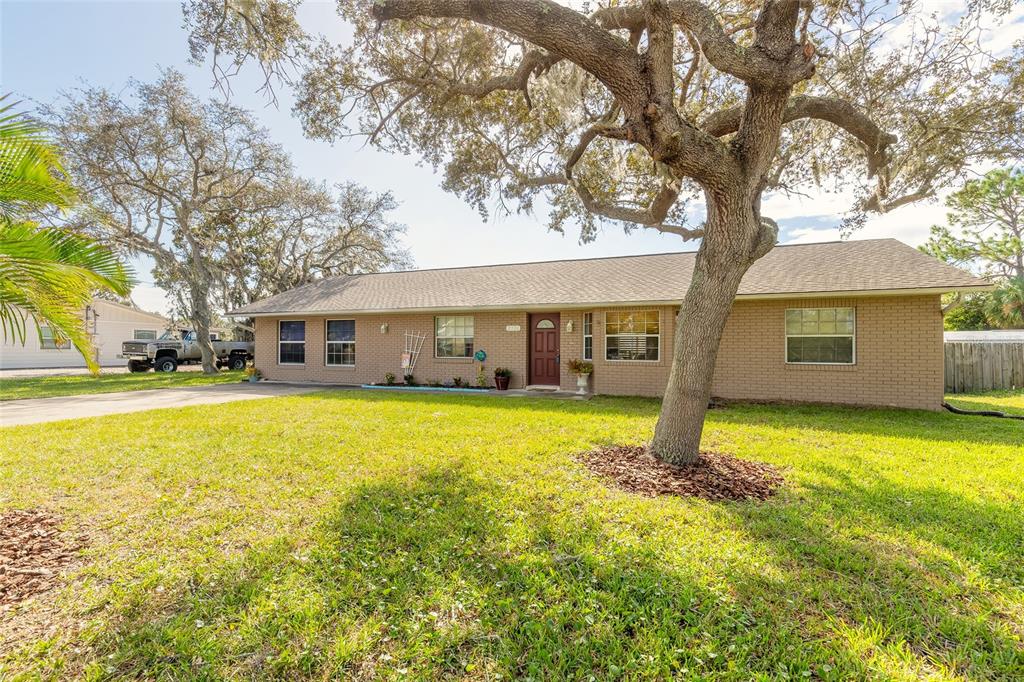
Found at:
<point>734,239</point>
<point>202,317</point>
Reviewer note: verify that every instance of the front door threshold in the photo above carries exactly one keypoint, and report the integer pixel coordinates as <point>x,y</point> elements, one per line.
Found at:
<point>544,388</point>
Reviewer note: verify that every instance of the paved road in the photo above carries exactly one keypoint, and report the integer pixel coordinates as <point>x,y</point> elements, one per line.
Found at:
<point>38,410</point>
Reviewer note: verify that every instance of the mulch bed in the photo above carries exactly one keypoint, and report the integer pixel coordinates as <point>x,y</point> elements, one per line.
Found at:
<point>713,477</point>
<point>33,551</point>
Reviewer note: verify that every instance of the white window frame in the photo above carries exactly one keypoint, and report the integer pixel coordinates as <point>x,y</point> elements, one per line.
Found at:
<point>327,344</point>
<point>135,334</point>
<point>785,350</point>
<point>65,345</point>
<point>303,342</point>
<point>588,326</point>
<point>471,338</point>
<point>607,335</point>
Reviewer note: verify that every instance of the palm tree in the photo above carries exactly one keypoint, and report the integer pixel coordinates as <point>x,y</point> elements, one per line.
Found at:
<point>47,274</point>
<point>1006,304</point>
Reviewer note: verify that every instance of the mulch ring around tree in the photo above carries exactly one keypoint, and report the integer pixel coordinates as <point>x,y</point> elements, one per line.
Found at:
<point>33,552</point>
<point>713,477</point>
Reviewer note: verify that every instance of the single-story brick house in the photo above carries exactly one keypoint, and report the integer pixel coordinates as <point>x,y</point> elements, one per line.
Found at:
<point>854,322</point>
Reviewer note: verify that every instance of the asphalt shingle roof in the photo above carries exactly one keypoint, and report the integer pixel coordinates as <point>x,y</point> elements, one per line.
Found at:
<point>832,267</point>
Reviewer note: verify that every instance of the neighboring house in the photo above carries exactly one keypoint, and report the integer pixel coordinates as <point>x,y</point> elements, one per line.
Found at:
<point>855,322</point>
<point>987,336</point>
<point>109,323</point>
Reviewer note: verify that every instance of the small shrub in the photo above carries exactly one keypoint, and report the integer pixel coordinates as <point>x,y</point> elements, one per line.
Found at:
<point>458,382</point>
<point>410,380</point>
<point>481,378</point>
<point>389,379</point>
<point>502,372</point>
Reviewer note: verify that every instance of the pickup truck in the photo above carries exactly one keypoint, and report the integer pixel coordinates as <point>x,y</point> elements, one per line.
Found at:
<point>179,347</point>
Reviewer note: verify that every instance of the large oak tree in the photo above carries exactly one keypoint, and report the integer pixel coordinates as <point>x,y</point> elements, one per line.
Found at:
<point>628,111</point>
<point>202,189</point>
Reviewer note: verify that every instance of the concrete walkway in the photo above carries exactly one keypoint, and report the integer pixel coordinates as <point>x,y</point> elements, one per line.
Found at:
<point>36,410</point>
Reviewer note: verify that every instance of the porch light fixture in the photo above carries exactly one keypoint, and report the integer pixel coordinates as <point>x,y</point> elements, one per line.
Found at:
<point>568,327</point>
<point>384,328</point>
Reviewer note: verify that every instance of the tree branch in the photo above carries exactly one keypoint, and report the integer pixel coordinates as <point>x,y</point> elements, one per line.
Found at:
<point>836,111</point>
<point>652,216</point>
<point>747,64</point>
<point>558,29</point>
<point>533,63</point>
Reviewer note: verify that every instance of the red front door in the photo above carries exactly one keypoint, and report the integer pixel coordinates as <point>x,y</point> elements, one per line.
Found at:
<point>544,345</point>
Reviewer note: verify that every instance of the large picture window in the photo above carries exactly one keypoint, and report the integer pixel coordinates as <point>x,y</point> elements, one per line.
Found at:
<point>632,335</point>
<point>341,343</point>
<point>291,342</point>
<point>49,341</point>
<point>453,336</point>
<point>588,336</point>
<point>820,336</point>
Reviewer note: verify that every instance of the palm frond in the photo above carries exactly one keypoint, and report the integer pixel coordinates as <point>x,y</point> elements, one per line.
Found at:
<point>47,275</point>
<point>31,174</point>
<point>50,275</point>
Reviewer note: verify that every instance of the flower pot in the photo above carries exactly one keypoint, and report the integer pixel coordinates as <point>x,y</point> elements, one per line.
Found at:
<point>581,383</point>
<point>501,383</point>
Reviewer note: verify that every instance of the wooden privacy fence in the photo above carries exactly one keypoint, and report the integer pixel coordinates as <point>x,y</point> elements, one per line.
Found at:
<point>983,366</point>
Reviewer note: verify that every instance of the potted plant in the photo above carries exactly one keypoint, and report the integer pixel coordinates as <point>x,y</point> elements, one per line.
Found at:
<point>582,369</point>
<point>501,378</point>
<point>253,373</point>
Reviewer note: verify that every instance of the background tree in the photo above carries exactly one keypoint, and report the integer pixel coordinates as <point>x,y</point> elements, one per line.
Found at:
<point>303,233</point>
<point>204,191</point>
<point>985,234</point>
<point>627,113</point>
<point>47,274</point>
<point>1005,306</point>
<point>160,171</point>
<point>966,313</point>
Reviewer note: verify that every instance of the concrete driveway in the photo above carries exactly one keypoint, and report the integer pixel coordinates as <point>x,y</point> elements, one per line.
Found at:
<point>77,371</point>
<point>36,410</point>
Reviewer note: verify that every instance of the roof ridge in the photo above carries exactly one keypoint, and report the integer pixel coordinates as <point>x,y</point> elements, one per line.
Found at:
<point>862,265</point>
<point>593,258</point>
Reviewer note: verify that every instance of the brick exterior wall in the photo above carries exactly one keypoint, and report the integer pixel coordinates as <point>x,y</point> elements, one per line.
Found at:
<point>898,353</point>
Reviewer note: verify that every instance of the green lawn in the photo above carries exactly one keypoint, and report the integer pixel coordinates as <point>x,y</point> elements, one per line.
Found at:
<point>1010,402</point>
<point>49,387</point>
<point>395,536</point>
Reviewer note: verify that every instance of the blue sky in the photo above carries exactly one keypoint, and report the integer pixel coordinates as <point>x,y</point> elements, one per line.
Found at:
<point>106,43</point>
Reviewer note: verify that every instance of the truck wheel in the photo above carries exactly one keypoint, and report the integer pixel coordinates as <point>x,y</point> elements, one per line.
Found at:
<point>165,364</point>
<point>137,366</point>
<point>237,362</point>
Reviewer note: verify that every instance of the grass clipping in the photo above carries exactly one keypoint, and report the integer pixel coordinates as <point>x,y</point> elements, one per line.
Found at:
<point>713,477</point>
<point>33,552</point>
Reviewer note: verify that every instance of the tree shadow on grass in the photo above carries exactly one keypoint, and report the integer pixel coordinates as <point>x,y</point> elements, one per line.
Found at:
<point>439,577</point>
<point>918,576</point>
<point>911,424</point>
<point>443,576</point>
